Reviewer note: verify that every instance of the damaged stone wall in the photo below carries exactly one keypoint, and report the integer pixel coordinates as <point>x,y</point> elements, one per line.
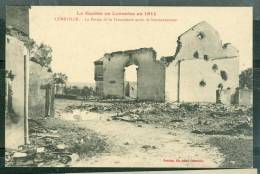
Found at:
<point>200,66</point>
<point>196,72</point>
<point>226,96</point>
<point>18,18</point>
<point>99,77</point>
<point>41,95</point>
<point>39,91</point>
<point>245,97</point>
<point>16,52</point>
<point>109,74</point>
<point>17,37</point>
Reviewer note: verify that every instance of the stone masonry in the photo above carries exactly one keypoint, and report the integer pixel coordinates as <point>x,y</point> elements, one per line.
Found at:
<point>109,74</point>
<point>201,66</point>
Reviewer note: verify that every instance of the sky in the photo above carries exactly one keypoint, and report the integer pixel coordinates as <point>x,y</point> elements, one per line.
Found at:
<point>77,44</point>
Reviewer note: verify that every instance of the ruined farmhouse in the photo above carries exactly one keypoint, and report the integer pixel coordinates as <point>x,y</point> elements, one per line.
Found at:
<point>27,84</point>
<point>109,74</point>
<point>203,69</point>
<point>201,65</point>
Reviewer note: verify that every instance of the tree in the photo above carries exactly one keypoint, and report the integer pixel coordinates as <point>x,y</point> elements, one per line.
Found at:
<point>30,45</point>
<point>41,54</point>
<point>246,78</point>
<point>85,91</point>
<point>76,91</point>
<point>60,78</point>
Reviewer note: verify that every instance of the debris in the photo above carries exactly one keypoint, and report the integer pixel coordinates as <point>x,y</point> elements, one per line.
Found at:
<point>233,162</point>
<point>77,117</point>
<point>58,143</point>
<point>8,157</point>
<point>54,131</point>
<point>19,155</point>
<point>213,118</point>
<point>40,149</point>
<point>52,163</point>
<point>74,157</point>
<point>147,147</point>
<point>58,147</point>
<point>25,163</point>
<point>46,135</point>
<point>65,159</point>
<point>61,146</point>
<point>176,120</point>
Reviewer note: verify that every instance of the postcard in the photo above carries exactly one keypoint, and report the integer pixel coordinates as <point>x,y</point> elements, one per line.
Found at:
<point>128,86</point>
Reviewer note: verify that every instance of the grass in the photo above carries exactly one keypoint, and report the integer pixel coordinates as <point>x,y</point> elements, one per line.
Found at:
<point>84,142</point>
<point>238,151</point>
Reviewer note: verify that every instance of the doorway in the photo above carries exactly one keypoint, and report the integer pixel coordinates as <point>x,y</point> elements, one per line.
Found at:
<point>130,82</point>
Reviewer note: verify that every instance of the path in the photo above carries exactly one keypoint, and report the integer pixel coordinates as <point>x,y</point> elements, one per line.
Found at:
<point>147,146</point>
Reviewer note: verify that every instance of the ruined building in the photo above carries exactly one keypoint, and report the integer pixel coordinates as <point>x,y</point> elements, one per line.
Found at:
<point>203,69</point>
<point>28,93</point>
<point>15,59</point>
<point>109,74</point>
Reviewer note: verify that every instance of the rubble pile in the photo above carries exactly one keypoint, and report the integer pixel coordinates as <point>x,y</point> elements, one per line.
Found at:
<point>213,119</point>
<point>57,145</point>
<point>116,107</point>
<point>199,118</point>
<point>224,120</point>
<point>90,107</point>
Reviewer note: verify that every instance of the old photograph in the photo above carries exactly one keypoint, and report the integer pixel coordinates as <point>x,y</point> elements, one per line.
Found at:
<point>129,87</point>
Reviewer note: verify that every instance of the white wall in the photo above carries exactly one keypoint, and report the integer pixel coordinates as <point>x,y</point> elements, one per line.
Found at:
<point>15,52</point>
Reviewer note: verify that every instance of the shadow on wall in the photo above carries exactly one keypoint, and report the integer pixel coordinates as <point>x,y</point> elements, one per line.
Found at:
<point>11,116</point>
<point>41,95</point>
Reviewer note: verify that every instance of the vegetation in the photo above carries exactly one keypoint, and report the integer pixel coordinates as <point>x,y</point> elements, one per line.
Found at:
<point>60,78</point>
<point>246,78</point>
<point>41,54</point>
<point>71,91</point>
<point>83,92</point>
<point>237,151</point>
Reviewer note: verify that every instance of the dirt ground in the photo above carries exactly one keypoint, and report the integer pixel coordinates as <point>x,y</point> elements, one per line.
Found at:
<point>141,136</point>
<point>130,134</point>
<point>148,146</point>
